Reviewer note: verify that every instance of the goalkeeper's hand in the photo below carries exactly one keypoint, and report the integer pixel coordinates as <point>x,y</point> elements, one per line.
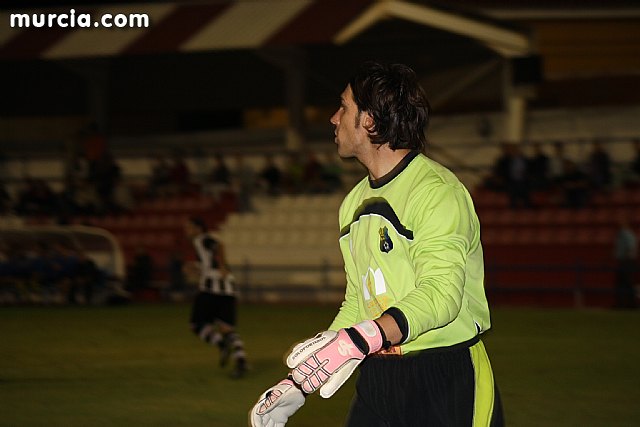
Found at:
<point>276,405</point>
<point>327,360</point>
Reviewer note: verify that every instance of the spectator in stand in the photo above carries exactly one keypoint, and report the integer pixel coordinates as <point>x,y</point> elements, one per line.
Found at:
<point>220,174</point>
<point>43,271</point>
<point>331,174</point>
<point>244,181</point>
<point>18,268</point>
<point>67,261</point>
<point>599,167</point>
<point>271,176</point>
<point>538,168</point>
<point>312,173</point>
<point>499,174</point>
<point>94,145</point>
<point>575,186</point>
<point>177,279</point>
<point>160,179</point>
<point>557,163</point>
<point>104,175</point>
<point>636,159</point>
<point>140,271</point>
<point>220,177</point>
<point>35,198</point>
<point>179,175</point>
<point>88,277</point>
<point>5,199</point>
<point>635,163</point>
<point>625,254</point>
<point>123,199</point>
<point>517,178</point>
<point>66,200</point>
<point>86,199</point>
<point>294,173</point>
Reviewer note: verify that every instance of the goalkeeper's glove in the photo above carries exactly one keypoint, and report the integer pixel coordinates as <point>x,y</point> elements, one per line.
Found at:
<point>327,360</point>
<point>276,405</point>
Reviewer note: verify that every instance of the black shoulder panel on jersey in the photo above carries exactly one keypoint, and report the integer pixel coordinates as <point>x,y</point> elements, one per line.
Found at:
<point>379,206</point>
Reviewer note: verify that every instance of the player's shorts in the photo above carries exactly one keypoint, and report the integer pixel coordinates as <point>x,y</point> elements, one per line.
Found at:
<point>451,386</point>
<point>208,307</point>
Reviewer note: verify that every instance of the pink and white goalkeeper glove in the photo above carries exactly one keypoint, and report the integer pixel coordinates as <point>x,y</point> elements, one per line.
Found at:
<point>276,405</point>
<point>327,360</point>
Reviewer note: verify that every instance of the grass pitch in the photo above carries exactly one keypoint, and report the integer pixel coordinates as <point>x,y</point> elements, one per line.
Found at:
<point>140,366</point>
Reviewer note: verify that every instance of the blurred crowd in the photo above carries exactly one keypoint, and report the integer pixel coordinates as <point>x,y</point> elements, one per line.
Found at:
<point>569,182</point>
<point>94,185</point>
<point>44,272</point>
<point>301,173</point>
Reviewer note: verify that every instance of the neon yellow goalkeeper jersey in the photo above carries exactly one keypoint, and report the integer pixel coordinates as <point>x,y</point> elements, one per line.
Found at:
<point>411,240</point>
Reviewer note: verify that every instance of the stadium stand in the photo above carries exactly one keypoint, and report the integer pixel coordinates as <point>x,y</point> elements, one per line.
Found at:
<point>552,255</point>
<point>549,255</point>
<point>287,247</point>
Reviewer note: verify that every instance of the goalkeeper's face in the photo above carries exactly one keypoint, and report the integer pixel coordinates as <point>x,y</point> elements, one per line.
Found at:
<point>351,127</point>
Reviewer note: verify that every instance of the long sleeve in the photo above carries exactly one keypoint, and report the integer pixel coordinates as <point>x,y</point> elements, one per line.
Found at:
<point>443,234</point>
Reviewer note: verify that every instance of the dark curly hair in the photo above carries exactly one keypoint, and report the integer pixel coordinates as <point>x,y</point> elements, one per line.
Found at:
<point>392,96</point>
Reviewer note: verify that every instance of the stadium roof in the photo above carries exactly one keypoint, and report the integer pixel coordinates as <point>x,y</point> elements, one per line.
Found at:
<point>223,54</point>
<point>226,24</point>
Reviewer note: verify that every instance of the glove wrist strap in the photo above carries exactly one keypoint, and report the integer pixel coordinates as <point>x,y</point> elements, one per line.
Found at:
<point>386,344</point>
<point>358,340</point>
<point>367,336</point>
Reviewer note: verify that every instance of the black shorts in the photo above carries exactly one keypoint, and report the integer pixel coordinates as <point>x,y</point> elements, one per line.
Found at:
<point>208,307</point>
<point>451,386</point>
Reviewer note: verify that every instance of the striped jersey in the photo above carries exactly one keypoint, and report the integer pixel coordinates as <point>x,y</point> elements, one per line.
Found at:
<point>411,240</point>
<point>211,280</point>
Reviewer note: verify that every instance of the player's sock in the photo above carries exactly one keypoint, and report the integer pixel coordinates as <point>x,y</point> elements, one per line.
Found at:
<point>209,335</point>
<point>225,349</point>
<point>216,339</point>
<point>238,355</point>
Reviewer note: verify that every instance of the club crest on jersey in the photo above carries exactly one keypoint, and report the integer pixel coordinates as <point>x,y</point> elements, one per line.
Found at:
<point>385,241</point>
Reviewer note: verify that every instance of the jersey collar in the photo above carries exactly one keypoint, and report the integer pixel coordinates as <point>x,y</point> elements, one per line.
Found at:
<point>402,165</point>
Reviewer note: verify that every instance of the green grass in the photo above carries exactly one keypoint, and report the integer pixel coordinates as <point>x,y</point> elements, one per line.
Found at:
<point>140,366</point>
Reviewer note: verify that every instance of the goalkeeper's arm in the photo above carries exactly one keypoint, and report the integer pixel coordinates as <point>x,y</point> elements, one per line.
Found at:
<point>388,322</point>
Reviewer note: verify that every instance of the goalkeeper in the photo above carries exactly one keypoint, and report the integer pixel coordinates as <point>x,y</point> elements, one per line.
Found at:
<point>414,305</point>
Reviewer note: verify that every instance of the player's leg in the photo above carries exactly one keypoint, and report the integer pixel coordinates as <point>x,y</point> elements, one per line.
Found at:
<point>362,415</point>
<point>209,334</point>
<point>202,320</point>
<point>233,349</point>
<point>233,345</point>
<point>375,394</point>
<point>457,386</point>
<point>432,387</point>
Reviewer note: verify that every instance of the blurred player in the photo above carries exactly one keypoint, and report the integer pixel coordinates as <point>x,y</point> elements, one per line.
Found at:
<point>213,315</point>
<point>415,305</point>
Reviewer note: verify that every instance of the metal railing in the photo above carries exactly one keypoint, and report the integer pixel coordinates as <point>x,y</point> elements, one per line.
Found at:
<point>560,281</point>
